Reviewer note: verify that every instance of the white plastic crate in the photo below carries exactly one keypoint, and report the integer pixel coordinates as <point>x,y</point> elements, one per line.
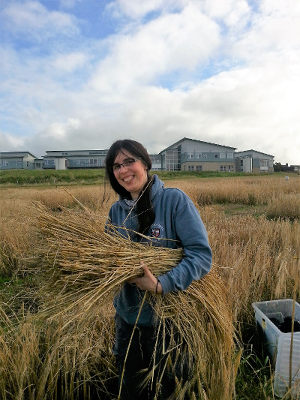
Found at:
<point>278,343</point>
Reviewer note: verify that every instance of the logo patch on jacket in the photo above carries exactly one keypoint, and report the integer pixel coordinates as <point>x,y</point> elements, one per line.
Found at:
<point>156,230</point>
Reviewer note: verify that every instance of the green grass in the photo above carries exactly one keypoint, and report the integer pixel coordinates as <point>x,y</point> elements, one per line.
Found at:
<point>91,176</point>
<point>51,177</point>
<point>254,380</point>
<point>164,175</point>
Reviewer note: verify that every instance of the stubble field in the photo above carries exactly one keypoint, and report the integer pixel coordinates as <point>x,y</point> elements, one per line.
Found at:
<point>254,231</point>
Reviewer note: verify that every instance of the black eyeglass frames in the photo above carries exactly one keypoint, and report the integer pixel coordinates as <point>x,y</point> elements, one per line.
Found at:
<point>125,164</point>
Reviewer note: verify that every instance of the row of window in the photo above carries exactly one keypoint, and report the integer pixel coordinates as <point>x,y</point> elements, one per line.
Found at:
<point>198,168</point>
<point>19,164</point>
<point>93,162</point>
<point>92,152</point>
<point>223,168</point>
<point>83,161</point>
<point>193,154</point>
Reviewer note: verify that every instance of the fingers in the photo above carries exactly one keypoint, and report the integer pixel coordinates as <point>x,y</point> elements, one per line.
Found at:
<point>147,281</point>
<point>146,270</point>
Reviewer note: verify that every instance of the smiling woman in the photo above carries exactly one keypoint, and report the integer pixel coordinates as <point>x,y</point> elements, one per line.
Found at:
<point>149,213</point>
<point>130,172</point>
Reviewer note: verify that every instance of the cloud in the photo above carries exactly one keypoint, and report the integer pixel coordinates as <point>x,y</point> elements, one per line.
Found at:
<point>170,42</point>
<point>36,22</point>
<point>133,9</point>
<point>10,142</point>
<point>70,62</point>
<point>229,11</point>
<point>223,72</point>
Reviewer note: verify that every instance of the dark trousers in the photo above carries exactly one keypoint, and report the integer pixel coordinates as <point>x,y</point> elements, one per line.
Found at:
<point>138,356</point>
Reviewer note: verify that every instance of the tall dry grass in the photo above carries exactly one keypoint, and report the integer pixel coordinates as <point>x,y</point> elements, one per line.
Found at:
<point>41,360</point>
<point>260,258</point>
<point>249,191</point>
<point>88,265</point>
<point>257,252</point>
<point>285,206</point>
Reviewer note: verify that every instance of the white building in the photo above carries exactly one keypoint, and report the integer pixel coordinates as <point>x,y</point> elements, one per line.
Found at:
<point>253,161</point>
<point>16,160</point>
<point>74,159</point>
<point>196,155</point>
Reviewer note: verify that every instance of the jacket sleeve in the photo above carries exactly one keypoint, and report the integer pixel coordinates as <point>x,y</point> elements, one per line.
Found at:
<point>191,232</point>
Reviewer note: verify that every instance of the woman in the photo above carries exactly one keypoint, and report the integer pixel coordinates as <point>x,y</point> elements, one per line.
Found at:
<point>169,218</point>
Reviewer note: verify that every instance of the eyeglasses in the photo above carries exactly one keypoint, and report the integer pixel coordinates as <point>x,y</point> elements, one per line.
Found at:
<point>125,164</point>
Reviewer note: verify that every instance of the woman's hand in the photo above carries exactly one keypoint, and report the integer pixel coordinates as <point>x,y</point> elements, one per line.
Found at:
<point>147,281</point>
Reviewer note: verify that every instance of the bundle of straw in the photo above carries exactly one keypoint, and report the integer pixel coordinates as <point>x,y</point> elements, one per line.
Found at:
<point>88,266</point>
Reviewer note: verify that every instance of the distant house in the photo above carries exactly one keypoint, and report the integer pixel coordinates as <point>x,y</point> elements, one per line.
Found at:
<point>253,161</point>
<point>296,169</point>
<point>74,159</point>
<point>197,155</point>
<point>16,160</point>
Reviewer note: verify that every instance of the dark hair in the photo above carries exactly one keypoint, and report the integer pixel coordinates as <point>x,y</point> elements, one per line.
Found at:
<point>144,208</point>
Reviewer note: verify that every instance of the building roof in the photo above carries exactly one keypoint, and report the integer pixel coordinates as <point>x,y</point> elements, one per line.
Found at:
<point>71,153</point>
<point>14,154</point>
<point>251,150</point>
<point>195,140</point>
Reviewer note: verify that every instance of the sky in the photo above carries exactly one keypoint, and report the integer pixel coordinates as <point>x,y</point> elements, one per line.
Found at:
<point>80,74</point>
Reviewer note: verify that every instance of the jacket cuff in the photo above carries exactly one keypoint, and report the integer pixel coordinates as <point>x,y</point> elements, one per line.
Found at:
<point>166,283</point>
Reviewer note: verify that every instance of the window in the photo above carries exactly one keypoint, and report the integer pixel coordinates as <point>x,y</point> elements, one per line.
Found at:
<point>263,163</point>
<point>216,156</point>
<point>64,153</point>
<point>49,162</point>
<point>198,168</point>
<point>191,168</point>
<point>222,168</point>
<point>5,163</point>
<point>222,155</point>
<point>204,155</point>
<point>230,168</point>
<point>229,155</point>
<point>19,164</point>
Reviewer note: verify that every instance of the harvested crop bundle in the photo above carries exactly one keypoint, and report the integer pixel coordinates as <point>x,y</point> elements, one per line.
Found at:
<point>88,266</point>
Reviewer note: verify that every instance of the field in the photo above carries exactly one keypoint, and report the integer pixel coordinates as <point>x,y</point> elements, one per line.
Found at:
<point>254,231</point>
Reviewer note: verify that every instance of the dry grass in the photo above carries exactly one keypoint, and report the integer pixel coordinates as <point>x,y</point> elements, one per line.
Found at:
<point>89,265</point>
<point>261,257</point>
<point>249,191</point>
<point>286,206</point>
<point>256,257</point>
<point>41,360</point>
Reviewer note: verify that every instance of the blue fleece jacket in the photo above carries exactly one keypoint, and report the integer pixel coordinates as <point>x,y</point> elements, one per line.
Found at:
<point>176,218</point>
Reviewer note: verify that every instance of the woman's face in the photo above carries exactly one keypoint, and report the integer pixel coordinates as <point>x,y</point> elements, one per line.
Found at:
<point>132,176</point>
